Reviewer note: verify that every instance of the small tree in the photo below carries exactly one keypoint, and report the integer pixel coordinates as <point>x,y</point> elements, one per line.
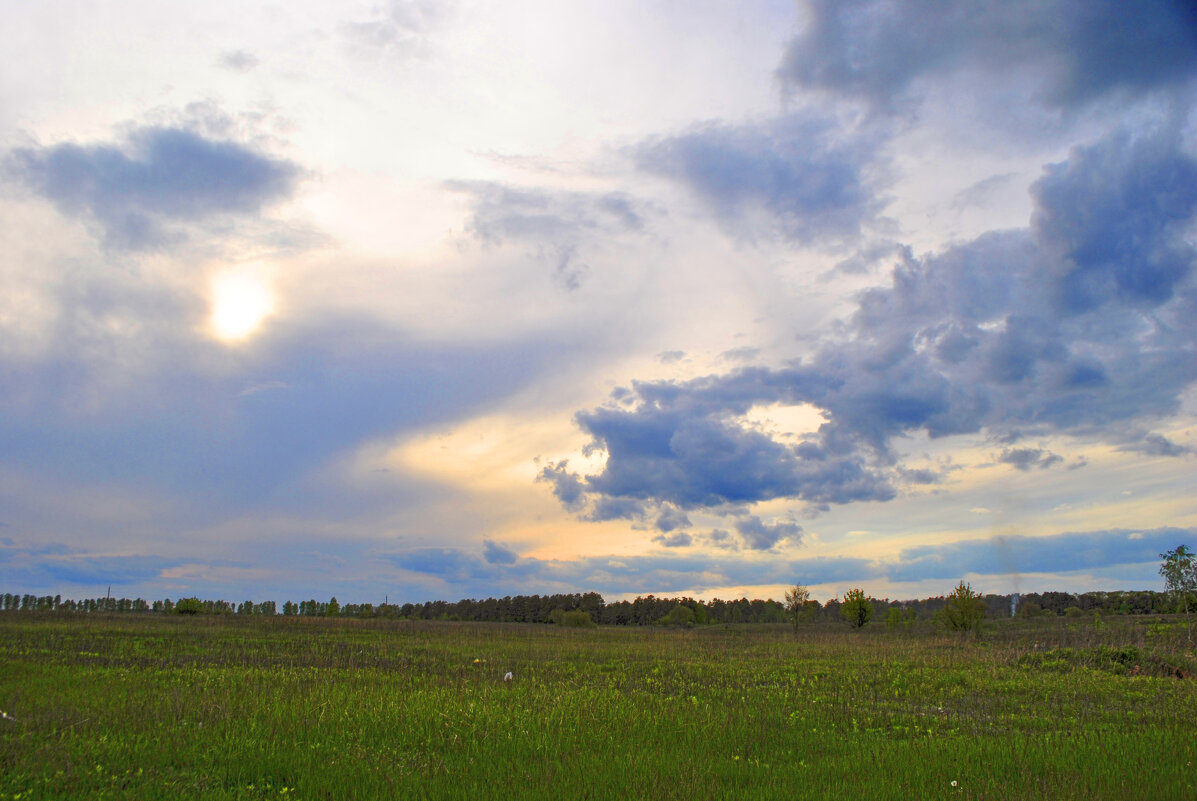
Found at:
<point>856,608</point>
<point>898,617</point>
<point>1179,570</point>
<point>333,609</point>
<point>963,610</point>
<point>796,598</point>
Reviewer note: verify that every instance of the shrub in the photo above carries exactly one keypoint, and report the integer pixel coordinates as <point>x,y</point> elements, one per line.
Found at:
<point>189,606</point>
<point>680,615</point>
<point>577,619</point>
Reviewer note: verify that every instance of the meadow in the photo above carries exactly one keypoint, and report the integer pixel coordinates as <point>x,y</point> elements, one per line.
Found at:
<point>153,706</point>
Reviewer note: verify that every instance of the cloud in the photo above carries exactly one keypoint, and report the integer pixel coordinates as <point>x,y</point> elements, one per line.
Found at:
<point>466,575</point>
<point>1026,458</point>
<point>671,356</point>
<point>238,60</point>
<point>500,212</point>
<point>496,554</point>
<point>403,27</point>
<point>440,562</point>
<point>1079,323</point>
<point>184,425</point>
<point>1115,214</point>
<point>142,192</point>
<point>671,519</point>
<point>744,354</point>
<point>1058,553</point>
<point>805,172</point>
<point>884,51</point>
<point>681,444</point>
<point>980,193</point>
<point>678,539</point>
<point>54,566</point>
<point>566,485</point>
<point>558,224</point>
<point>1156,445</point>
<point>761,536</point>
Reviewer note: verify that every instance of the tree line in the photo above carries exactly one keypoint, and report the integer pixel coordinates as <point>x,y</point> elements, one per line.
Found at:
<point>644,610</point>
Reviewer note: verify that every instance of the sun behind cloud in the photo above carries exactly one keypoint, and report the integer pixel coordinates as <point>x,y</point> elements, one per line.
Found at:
<point>242,298</point>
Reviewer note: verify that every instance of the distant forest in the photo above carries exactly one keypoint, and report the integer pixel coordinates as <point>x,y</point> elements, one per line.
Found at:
<point>646,610</point>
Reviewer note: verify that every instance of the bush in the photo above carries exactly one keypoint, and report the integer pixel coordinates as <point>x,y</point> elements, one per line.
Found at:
<point>189,606</point>
<point>577,619</point>
<point>856,608</point>
<point>680,615</point>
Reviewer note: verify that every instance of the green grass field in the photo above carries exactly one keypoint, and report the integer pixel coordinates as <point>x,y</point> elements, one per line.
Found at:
<point>226,707</point>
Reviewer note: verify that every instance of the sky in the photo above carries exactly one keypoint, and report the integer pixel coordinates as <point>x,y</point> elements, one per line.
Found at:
<point>416,300</point>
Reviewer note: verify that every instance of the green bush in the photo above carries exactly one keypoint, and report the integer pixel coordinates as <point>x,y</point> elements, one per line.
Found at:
<point>577,619</point>
<point>189,606</point>
<point>680,615</point>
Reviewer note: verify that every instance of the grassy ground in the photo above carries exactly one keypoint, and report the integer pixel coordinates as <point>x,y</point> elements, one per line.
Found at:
<point>150,706</point>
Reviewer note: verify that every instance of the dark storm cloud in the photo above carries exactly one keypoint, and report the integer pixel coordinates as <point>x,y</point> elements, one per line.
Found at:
<point>806,172</point>
<point>143,192</point>
<point>1083,322</point>
<point>1116,214</point>
<point>1081,50</point>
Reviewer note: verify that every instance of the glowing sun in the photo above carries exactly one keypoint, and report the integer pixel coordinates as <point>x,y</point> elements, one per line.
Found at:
<point>241,300</point>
